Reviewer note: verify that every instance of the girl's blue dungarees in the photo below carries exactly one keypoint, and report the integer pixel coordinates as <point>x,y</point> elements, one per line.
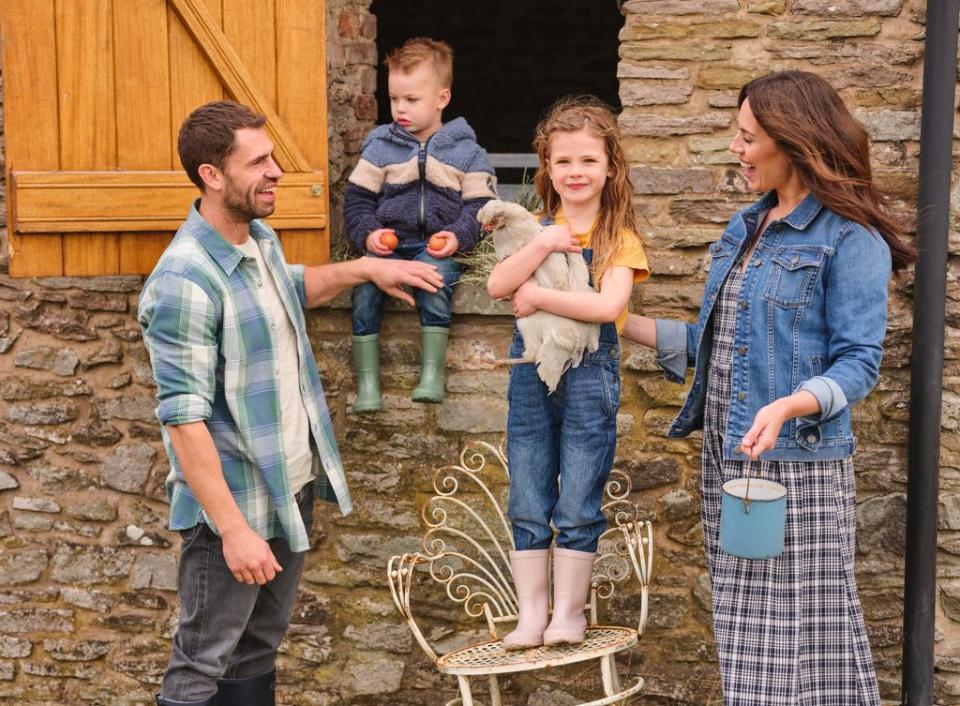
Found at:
<point>569,436</point>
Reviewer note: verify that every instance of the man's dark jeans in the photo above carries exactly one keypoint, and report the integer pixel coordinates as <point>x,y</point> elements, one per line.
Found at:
<point>228,629</point>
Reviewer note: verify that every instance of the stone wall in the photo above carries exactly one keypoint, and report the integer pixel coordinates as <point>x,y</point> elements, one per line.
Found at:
<point>351,88</point>
<point>87,567</point>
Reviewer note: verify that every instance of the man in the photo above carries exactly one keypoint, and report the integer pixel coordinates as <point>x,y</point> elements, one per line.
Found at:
<point>245,423</point>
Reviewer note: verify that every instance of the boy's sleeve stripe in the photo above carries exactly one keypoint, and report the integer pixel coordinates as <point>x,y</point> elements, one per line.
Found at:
<point>367,175</point>
<point>477,185</point>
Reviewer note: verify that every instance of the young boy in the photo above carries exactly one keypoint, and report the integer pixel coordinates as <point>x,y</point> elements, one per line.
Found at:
<point>414,195</point>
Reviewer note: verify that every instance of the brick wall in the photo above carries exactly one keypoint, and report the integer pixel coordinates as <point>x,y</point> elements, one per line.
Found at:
<point>87,567</point>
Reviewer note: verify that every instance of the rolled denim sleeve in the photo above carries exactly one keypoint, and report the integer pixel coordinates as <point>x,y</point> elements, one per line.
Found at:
<point>856,321</point>
<point>179,329</point>
<point>676,348</point>
<point>829,396</point>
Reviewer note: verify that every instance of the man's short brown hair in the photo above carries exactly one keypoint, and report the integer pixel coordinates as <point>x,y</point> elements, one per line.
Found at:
<point>420,49</point>
<point>207,135</point>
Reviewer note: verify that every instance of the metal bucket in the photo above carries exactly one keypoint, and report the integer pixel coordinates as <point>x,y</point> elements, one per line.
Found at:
<point>753,513</point>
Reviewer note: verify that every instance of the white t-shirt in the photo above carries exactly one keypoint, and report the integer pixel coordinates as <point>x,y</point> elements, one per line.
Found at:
<point>293,415</point>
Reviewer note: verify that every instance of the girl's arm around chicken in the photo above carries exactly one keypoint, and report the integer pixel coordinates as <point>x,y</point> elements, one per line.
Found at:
<point>513,271</point>
<point>601,307</point>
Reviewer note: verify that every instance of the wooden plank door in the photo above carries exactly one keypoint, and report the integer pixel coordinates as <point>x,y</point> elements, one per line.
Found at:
<point>95,93</point>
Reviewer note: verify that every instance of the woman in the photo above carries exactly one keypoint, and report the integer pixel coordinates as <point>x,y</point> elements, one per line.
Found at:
<point>790,335</point>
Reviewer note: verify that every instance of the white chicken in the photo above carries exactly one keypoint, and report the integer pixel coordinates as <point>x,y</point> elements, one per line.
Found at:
<point>554,343</point>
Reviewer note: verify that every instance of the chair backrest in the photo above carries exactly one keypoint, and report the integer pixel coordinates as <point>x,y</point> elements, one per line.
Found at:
<point>468,537</point>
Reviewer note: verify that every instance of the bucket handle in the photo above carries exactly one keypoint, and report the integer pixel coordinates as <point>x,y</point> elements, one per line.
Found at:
<point>746,493</point>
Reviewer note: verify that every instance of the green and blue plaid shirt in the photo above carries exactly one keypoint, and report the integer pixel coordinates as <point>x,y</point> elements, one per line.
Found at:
<point>214,361</point>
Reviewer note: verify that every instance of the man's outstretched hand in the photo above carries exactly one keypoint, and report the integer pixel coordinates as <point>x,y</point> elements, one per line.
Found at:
<point>391,275</point>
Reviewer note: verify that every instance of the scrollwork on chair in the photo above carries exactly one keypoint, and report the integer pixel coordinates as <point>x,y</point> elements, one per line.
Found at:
<point>467,548</point>
<point>400,572</point>
<point>625,547</point>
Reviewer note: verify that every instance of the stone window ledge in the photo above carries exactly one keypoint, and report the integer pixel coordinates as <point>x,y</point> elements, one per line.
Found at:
<point>468,298</point>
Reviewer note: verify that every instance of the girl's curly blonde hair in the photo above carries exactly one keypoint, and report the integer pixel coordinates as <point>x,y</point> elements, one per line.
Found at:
<point>572,114</point>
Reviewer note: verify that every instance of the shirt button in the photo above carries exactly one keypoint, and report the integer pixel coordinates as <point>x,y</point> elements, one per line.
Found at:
<point>811,438</point>
<point>259,282</point>
<point>757,263</point>
<point>741,395</point>
<point>277,372</point>
<point>742,350</point>
<point>742,304</point>
<point>273,326</point>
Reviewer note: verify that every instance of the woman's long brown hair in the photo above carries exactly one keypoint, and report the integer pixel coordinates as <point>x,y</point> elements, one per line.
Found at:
<point>829,149</point>
<point>572,114</point>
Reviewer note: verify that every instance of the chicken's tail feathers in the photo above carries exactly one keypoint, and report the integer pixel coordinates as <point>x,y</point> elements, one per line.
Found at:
<point>550,371</point>
<point>553,360</point>
<point>593,338</point>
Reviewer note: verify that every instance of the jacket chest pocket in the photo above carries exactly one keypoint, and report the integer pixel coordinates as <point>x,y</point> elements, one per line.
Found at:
<point>793,277</point>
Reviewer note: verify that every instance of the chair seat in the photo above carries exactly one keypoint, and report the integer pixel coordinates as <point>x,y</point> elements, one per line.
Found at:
<point>491,657</point>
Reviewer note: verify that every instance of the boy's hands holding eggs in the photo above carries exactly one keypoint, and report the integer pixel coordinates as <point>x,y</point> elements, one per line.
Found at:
<point>442,244</point>
<point>382,242</point>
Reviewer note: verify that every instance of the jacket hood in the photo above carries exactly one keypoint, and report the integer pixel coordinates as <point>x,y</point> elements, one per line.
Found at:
<point>451,132</point>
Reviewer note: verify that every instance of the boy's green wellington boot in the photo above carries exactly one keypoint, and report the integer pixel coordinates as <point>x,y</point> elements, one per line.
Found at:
<point>366,358</point>
<point>433,362</point>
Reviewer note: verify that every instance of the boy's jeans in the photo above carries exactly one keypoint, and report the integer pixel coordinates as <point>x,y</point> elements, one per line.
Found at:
<point>228,629</point>
<point>570,437</point>
<point>434,308</point>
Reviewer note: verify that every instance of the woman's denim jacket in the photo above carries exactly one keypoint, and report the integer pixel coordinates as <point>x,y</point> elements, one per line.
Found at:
<point>811,316</point>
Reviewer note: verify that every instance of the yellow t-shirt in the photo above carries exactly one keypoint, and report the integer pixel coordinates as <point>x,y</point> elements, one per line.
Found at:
<point>631,255</point>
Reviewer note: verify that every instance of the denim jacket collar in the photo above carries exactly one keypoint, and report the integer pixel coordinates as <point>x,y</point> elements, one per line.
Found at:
<point>799,218</point>
<point>804,213</point>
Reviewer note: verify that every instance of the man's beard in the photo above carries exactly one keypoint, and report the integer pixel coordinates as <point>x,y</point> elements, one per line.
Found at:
<point>243,206</point>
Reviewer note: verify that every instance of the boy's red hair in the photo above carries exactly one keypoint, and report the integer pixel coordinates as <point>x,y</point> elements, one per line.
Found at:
<point>423,49</point>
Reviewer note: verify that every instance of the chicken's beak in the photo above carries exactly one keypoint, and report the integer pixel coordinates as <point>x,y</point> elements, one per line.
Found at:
<point>491,225</point>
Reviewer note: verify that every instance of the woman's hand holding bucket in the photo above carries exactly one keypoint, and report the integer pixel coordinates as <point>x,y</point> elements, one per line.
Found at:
<point>762,436</point>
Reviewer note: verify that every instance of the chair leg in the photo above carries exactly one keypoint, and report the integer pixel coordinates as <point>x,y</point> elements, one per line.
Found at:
<point>611,680</point>
<point>494,691</point>
<point>465,691</point>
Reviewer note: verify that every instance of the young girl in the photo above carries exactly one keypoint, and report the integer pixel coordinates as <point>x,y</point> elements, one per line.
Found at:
<point>561,446</point>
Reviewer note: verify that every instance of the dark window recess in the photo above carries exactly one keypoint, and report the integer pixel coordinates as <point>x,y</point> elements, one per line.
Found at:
<point>512,59</point>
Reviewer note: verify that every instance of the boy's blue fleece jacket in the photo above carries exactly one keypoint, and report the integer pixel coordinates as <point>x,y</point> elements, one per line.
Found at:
<point>418,188</point>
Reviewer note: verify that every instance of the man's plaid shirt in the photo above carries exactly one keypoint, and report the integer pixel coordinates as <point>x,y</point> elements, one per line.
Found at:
<point>213,361</point>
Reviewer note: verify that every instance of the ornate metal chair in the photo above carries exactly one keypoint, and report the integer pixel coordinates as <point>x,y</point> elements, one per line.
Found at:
<point>465,550</point>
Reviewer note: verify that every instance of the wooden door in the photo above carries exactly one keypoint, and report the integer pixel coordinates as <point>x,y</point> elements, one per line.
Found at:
<point>94,95</point>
